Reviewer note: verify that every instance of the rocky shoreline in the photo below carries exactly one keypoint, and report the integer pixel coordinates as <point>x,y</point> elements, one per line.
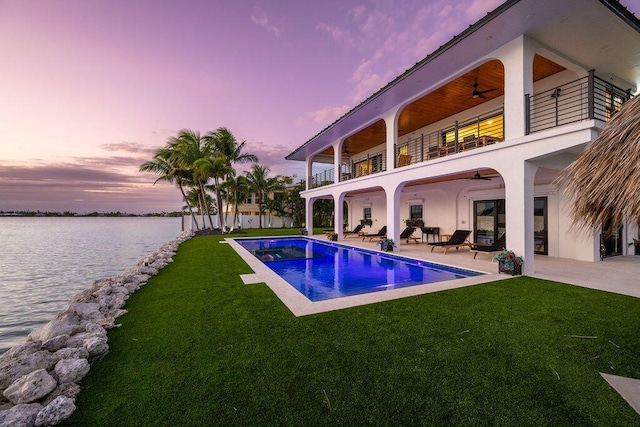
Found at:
<point>39,380</point>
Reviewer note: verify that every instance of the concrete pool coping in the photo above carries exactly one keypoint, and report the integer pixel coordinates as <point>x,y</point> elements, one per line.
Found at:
<point>300,305</point>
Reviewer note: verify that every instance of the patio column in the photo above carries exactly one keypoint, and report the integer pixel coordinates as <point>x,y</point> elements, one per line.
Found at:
<point>338,212</point>
<point>393,213</point>
<point>519,211</point>
<point>308,214</point>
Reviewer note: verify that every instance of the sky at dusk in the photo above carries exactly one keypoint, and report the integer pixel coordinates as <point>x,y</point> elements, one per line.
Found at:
<point>90,89</point>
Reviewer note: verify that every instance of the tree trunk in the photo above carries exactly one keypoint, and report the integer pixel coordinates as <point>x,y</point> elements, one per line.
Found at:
<point>184,196</point>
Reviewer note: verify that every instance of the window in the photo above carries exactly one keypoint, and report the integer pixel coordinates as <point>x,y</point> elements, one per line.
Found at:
<point>415,212</point>
<point>366,213</point>
<point>372,165</point>
<point>489,126</point>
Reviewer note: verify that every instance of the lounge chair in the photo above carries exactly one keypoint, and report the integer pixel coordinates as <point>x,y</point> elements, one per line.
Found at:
<point>407,234</point>
<point>356,232</point>
<point>380,234</point>
<point>498,245</point>
<point>458,239</point>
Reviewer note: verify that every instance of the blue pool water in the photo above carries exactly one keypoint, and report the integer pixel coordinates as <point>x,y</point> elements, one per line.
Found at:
<point>324,270</point>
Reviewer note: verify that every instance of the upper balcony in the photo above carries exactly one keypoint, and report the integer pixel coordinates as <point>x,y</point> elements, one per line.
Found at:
<point>587,98</point>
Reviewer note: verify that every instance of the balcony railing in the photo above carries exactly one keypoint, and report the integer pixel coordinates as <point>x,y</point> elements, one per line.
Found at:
<point>587,98</point>
<point>461,136</point>
<point>322,178</point>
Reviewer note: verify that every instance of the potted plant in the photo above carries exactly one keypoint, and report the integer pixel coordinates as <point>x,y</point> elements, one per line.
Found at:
<point>386,245</point>
<point>332,236</point>
<point>509,262</point>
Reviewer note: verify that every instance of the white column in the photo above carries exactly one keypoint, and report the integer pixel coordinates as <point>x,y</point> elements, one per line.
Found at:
<point>308,221</point>
<point>337,159</point>
<point>517,58</point>
<point>309,170</point>
<point>338,211</point>
<point>519,211</point>
<point>391,124</point>
<point>393,213</point>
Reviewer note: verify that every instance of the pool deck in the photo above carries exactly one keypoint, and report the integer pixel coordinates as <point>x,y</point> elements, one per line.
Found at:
<point>616,274</point>
<point>612,275</point>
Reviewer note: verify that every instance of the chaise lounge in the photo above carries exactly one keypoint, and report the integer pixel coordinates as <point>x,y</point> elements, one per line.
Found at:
<point>407,234</point>
<point>356,232</point>
<point>458,239</point>
<point>380,234</point>
<point>498,245</point>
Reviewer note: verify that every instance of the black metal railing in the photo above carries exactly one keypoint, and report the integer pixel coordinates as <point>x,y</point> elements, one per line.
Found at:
<point>321,179</point>
<point>586,98</point>
<point>483,130</point>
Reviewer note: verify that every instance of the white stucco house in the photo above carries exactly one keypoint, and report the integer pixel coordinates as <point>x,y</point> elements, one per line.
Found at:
<point>514,98</point>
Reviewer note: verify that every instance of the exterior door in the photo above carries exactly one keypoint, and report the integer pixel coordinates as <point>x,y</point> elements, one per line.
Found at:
<point>489,221</point>
<point>540,229</point>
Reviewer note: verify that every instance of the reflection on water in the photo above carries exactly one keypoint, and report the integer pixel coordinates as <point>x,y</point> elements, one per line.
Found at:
<point>45,261</point>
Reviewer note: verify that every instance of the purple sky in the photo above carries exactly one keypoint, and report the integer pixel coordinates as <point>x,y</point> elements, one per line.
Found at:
<point>89,89</point>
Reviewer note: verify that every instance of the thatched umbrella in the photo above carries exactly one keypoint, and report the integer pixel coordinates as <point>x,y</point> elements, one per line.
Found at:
<point>605,179</point>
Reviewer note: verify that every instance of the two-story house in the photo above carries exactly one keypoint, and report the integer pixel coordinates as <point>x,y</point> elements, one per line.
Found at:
<point>473,136</point>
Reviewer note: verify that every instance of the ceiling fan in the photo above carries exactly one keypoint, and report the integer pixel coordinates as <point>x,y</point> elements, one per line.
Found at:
<point>477,177</point>
<point>480,93</point>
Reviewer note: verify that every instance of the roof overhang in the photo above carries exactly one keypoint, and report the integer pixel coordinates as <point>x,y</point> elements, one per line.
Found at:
<point>596,34</point>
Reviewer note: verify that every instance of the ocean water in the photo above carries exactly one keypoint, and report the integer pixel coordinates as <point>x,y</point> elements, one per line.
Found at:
<point>44,262</point>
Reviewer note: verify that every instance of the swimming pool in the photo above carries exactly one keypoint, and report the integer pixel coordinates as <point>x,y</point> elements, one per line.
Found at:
<point>325,270</point>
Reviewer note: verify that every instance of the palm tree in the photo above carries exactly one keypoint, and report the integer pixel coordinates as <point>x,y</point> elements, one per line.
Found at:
<point>237,191</point>
<point>604,179</point>
<point>186,148</point>
<point>216,168</point>
<point>225,143</point>
<point>260,183</point>
<point>163,164</point>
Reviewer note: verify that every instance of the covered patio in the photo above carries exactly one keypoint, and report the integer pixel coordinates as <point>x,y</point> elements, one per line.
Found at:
<point>615,274</point>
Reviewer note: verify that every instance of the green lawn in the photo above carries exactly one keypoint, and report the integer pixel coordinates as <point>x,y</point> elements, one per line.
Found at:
<point>198,347</point>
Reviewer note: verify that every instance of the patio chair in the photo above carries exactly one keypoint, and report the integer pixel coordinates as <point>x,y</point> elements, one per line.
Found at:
<point>407,234</point>
<point>380,234</point>
<point>498,245</point>
<point>356,232</point>
<point>458,239</point>
<point>404,160</point>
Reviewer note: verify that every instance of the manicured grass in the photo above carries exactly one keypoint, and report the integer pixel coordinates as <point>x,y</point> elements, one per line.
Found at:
<point>198,347</point>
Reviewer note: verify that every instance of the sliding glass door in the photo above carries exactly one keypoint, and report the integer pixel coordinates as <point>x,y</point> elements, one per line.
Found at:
<point>489,221</point>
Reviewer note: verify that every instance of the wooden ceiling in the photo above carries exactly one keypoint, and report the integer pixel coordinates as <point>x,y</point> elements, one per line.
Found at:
<point>445,101</point>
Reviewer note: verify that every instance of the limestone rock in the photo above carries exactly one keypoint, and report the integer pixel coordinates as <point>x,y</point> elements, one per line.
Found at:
<point>30,363</point>
<point>52,329</point>
<point>55,412</point>
<point>70,390</point>
<point>70,353</point>
<point>88,311</point>
<point>20,415</point>
<point>71,370</point>
<point>84,296</point>
<point>97,346</point>
<point>16,353</point>
<point>30,387</point>
<point>56,343</point>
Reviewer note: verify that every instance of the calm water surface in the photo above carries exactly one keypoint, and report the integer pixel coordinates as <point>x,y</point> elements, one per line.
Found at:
<point>44,262</point>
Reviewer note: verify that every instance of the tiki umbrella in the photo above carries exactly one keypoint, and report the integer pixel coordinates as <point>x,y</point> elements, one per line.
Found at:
<point>605,179</point>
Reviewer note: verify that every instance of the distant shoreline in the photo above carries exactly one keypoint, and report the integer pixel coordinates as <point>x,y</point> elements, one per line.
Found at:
<point>41,214</point>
